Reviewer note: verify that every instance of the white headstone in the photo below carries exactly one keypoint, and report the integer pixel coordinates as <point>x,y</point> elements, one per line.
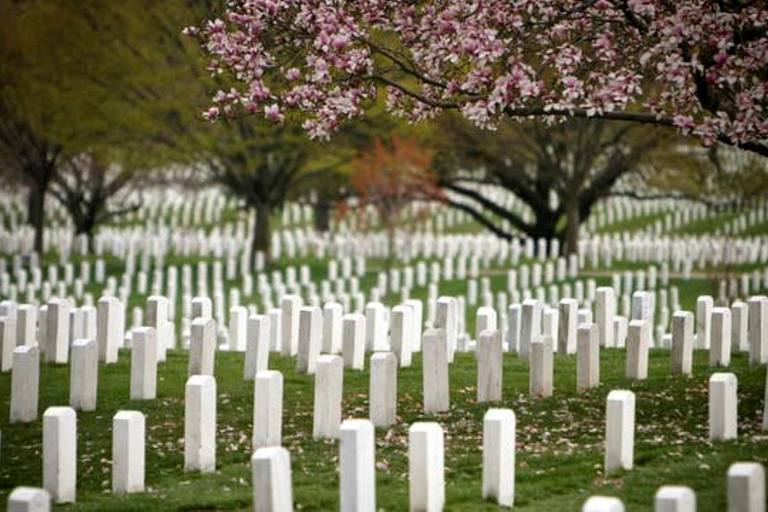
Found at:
<point>29,499</point>
<point>746,487</point>
<point>722,406</point>
<point>357,477</point>
<point>143,364</point>
<point>60,453</point>
<point>310,338</point>
<point>541,367</point>
<point>332,333</point>
<point>489,366</point>
<point>758,330</point>
<point>257,346</point>
<point>329,386</point>
<point>402,332</point>
<point>272,489</point>
<point>84,375</point>
<point>128,432</point>
<point>267,409</point>
<point>353,341</point>
<point>425,466</point>
<point>499,432</point>
<point>110,328</point>
<point>25,382</point>
<point>202,347</point>
<point>289,315</point>
<point>383,389</point>
<point>619,430</point>
<point>682,342</point>
<point>200,424</point>
<point>637,351</point>
<point>435,371</point>
<point>672,498</point>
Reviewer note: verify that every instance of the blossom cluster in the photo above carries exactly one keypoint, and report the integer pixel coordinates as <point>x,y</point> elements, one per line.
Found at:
<point>695,64</point>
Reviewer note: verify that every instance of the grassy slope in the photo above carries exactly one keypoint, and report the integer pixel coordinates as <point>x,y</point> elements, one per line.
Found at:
<point>559,459</point>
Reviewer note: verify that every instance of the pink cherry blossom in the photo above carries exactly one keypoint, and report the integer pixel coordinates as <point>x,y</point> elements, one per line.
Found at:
<point>694,64</point>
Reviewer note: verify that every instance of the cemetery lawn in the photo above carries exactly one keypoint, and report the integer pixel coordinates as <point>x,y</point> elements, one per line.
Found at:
<point>559,440</point>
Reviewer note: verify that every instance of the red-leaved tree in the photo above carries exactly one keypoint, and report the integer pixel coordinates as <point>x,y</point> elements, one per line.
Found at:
<point>390,178</point>
<point>698,65</point>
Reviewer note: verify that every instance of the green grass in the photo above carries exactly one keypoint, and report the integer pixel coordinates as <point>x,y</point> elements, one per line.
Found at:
<point>559,440</point>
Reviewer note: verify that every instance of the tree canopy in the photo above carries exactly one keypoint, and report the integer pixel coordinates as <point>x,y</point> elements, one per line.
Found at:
<point>701,66</point>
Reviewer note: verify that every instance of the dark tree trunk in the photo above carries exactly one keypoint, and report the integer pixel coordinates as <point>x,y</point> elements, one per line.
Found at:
<point>36,213</point>
<point>322,216</point>
<point>573,221</point>
<point>261,233</point>
<point>545,225</point>
<point>86,226</point>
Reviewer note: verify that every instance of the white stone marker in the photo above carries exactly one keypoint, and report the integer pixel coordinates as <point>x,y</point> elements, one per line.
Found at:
<point>485,320</point>
<point>110,328</point>
<point>57,331</point>
<point>499,431</point>
<point>29,499</point>
<point>568,325</point>
<point>637,351</point>
<point>746,487</point>
<point>25,382</point>
<point>489,366</point>
<point>26,325</point>
<point>619,430</point>
<point>257,346</point>
<point>332,314</point>
<point>605,310</point>
<point>357,466</point>
<point>541,367</point>
<point>353,341</point>
<point>201,307</point>
<point>200,424</point>
<point>84,375</point>
<point>60,453</point>
<point>514,321</point>
<point>267,409</point>
<point>448,320</point>
<point>238,328</point>
<point>703,321</point>
<point>272,489</point>
<point>128,452</point>
<point>739,327</point>
<point>418,322</point>
<point>435,371</point>
<point>402,330</point>
<point>310,339</point>
<point>758,330</point>
<point>603,504</point>
<point>7,342</point>
<point>144,364</point>
<point>202,347</point>
<point>620,331</point>
<point>531,326</point>
<point>375,327</point>
<point>642,309</point>
<point>723,406</point>
<point>289,317</point>
<point>720,337</point>
<point>588,354</point>
<point>383,389</point>
<point>426,475</point>
<point>157,317</point>
<point>682,342</point>
<point>329,386</point>
<point>673,498</point>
